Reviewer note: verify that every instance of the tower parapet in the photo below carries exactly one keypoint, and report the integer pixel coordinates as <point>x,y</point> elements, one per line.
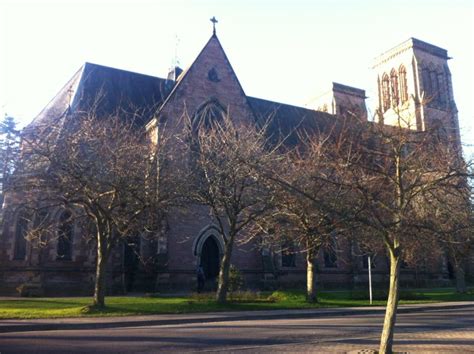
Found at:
<point>341,100</point>
<point>415,88</point>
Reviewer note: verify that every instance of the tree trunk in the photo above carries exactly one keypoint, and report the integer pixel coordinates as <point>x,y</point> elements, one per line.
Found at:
<point>311,277</point>
<point>460,279</point>
<point>100,281</point>
<point>223,285</point>
<point>386,340</point>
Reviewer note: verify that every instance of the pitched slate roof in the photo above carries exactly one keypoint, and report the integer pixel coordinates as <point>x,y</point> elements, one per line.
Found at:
<point>133,95</point>
<point>287,121</point>
<point>138,96</point>
<point>111,91</point>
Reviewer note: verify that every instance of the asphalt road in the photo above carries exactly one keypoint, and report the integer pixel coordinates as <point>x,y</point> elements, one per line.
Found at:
<point>435,330</point>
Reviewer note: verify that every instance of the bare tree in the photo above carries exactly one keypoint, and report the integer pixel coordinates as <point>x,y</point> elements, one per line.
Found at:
<point>388,176</point>
<point>449,215</point>
<point>307,205</point>
<point>392,173</point>
<point>224,154</point>
<point>101,168</point>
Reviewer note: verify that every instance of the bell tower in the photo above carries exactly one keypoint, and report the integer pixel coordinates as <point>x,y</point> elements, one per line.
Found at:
<point>415,88</point>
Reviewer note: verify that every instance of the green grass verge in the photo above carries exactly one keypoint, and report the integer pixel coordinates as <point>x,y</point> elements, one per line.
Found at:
<point>278,300</point>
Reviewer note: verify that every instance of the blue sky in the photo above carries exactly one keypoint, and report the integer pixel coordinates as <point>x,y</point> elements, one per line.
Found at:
<point>287,51</point>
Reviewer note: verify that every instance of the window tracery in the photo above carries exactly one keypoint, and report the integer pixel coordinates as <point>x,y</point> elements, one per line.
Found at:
<point>385,92</point>
<point>403,84</point>
<point>394,87</point>
<point>207,114</point>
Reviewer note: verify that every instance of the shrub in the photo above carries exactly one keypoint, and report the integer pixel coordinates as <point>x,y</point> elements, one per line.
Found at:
<point>202,297</point>
<point>236,281</point>
<point>248,296</point>
<point>277,296</point>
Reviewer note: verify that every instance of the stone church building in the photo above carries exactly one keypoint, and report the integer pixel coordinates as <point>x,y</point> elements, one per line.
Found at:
<point>405,75</point>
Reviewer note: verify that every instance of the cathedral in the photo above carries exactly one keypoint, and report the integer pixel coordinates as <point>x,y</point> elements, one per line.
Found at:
<point>406,76</point>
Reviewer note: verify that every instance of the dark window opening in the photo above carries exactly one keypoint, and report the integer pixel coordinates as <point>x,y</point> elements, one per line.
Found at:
<point>288,255</point>
<point>427,83</point>
<point>65,237</point>
<point>330,254</point>
<point>330,259</point>
<point>210,258</point>
<point>131,261</point>
<point>20,237</point>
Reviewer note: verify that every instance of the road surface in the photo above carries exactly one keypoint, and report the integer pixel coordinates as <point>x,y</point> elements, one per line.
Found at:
<point>434,330</point>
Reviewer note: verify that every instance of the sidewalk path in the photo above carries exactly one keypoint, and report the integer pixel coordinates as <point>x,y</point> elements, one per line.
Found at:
<point>169,319</point>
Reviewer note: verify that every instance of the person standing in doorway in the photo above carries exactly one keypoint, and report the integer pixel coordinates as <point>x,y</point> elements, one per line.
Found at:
<point>201,278</point>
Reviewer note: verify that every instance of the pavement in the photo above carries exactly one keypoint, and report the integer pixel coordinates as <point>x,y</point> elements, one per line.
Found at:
<point>173,319</point>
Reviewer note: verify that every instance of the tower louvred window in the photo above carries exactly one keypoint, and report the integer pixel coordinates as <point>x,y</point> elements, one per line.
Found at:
<point>427,83</point>
<point>434,85</point>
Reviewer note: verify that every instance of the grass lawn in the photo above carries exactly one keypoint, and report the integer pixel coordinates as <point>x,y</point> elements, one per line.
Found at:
<point>122,305</point>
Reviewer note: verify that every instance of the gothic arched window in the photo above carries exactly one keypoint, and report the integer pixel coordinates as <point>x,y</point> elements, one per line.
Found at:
<point>394,87</point>
<point>385,92</point>
<point>20,236</point>
<point>207,114</point>
<point>65,237</point>
<point>402,76</point>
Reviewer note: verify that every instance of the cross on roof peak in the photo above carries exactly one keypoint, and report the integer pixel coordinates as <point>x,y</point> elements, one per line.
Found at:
<point>214,21</point>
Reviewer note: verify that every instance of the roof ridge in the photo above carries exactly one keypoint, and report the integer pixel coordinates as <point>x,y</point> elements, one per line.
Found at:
<point>122,70</point>
<point>280,103</point>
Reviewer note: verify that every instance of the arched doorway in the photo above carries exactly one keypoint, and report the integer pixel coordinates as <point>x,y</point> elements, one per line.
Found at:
<point>210,258</point>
